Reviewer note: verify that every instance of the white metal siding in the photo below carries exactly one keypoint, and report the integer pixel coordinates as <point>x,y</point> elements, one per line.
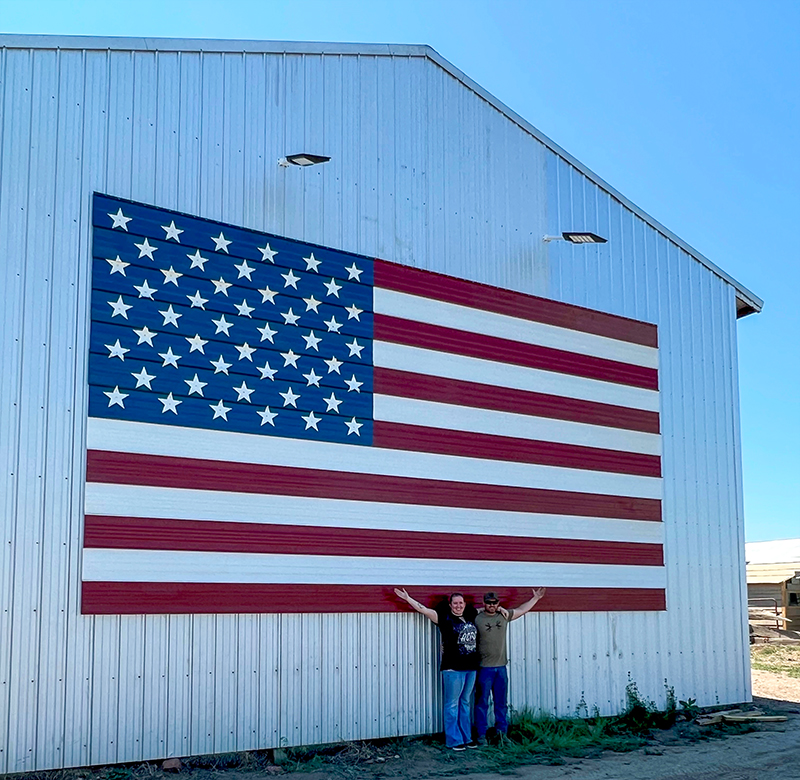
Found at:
<point>426,172</point>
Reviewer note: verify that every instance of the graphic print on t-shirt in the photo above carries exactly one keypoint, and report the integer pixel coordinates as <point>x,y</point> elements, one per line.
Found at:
<point>467,638</point>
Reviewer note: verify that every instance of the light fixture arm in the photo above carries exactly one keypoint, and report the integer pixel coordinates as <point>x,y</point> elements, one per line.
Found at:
<point>548,239</point>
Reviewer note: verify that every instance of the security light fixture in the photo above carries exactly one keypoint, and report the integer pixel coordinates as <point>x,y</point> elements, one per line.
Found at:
<point>303,160</point>
<point>577,238</point>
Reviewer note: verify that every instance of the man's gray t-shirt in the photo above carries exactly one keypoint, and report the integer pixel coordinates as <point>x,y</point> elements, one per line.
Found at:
<point>492,630</point>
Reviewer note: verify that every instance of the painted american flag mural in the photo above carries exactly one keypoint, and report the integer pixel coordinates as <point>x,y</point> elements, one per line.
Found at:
<point>275,426</point>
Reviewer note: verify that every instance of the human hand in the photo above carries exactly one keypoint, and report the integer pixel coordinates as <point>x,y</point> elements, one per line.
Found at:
<point>403,593</point>
<point>503,611</point>
<point>538,593</point>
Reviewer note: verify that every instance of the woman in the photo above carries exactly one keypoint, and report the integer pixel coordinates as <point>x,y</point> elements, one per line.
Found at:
<point>460,661</point>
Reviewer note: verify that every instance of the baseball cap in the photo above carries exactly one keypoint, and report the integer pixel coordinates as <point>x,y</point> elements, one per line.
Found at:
<point>490,596</point>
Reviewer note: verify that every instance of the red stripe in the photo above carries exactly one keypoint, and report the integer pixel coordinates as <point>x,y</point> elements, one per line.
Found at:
<point>154,598</point>
<point>195,474</point>
<point>419,438</point>
<point>415,281</point>
<point>389,381</point>
<point>136,533</point>
<point>477,345</point>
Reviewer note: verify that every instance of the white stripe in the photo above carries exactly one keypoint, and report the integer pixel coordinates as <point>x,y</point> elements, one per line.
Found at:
<point>410,411</point>
<point>183,504</point>
<point>496,374</point>
<point>175,441</point>
<point>487,323</point>
<point>102,565</point>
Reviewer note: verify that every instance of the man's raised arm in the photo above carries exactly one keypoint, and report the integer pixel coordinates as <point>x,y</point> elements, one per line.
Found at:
<point>529,604</point>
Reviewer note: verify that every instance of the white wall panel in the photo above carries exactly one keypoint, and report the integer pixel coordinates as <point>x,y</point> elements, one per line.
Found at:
<point>425,171</point>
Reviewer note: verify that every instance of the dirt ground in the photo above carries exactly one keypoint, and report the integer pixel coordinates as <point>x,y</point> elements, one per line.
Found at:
<point>772,752</point>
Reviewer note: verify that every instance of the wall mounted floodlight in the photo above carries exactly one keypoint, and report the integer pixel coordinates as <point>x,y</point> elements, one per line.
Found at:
<point>577,238</point>
<point>303,160</point>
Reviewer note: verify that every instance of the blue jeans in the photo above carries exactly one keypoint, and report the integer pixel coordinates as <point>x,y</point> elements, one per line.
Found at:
<point>458,687</point>
<point>492,680</point>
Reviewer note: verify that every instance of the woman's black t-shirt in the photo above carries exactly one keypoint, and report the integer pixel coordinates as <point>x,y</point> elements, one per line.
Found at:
<point>459,639</point>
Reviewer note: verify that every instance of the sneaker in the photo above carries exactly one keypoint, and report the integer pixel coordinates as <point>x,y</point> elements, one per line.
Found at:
<point>471,745</point>
<point>458,748</point>
<point>481,741</point>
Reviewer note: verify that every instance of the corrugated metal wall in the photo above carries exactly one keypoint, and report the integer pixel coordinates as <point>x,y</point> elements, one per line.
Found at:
<point>424,171</point>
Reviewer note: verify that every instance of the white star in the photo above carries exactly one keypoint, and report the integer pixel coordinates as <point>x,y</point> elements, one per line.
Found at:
<point>353,427</point>
<point>145,290</point>
<point>244,270</point>
<point>196,344</point>
<point>353,311</point>
<point>170,404</point>
<point>143,379</point>
<point>291,279</point>
<point>313,378</point>
<point>120,220</point>
<point>332,403</point>
<point>145,250</point>
<point>172,232</point>
<point>220,410</point>
<point>333,325</point>
<point>116,350</point>
<point>171,276</point>
<point>289,398</point>
<point>268,295</point>
<point>220,366</point>
<point>221,245</point>
<point>222,325</point>
<point>267,333</point>
<point>290,358</point>
<point>170,358</point>
<point>145,334</point>
<point>312,264</point>
<point>290,318</point>
<point>267,416</point>
<point>312,421</point>
<point>243,392</point>
<point>197,300</point>
<point>243,309</point>
<point>246,352</point>
<point>195,385</point>
<point>267,372</point>
<point>267,254</point>
<point>354,273</point>
<point>353,384</point>
<point>117,266</point>
<point>115,398</point>
<point>221,286</point>
<point>312,341</point>
<point>170,316</point>
<point>120,308</point>
<point>333,365</point>
<point>198,261</point>
<point>355,348</point>
<point>333,288</point>
<point>312,303</point>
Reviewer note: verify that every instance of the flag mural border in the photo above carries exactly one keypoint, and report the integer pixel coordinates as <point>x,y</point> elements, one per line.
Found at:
<point>545,414</point>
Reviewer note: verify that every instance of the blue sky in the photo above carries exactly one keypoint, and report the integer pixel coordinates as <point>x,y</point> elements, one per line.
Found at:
<point>690,109</point>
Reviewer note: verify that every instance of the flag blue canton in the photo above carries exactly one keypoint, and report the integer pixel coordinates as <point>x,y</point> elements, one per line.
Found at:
<point>202,324</point>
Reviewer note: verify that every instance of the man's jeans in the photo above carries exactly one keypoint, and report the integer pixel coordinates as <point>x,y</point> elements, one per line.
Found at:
<point>458,687</point>
<point>492,680</point>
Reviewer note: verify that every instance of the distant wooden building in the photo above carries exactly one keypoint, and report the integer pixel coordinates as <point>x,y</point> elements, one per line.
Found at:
<point>773,579</point>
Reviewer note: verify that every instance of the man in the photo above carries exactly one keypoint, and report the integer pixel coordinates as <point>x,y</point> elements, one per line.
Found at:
<point>459,664</point>
<point>492,625</point>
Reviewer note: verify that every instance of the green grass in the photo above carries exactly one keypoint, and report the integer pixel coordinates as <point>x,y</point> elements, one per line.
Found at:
<point>782,659</point>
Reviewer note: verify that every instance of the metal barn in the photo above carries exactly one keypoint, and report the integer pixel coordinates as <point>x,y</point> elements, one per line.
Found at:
<point>428,171</point>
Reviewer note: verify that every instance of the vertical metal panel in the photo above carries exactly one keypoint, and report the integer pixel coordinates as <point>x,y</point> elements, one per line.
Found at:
<point>425,172</point>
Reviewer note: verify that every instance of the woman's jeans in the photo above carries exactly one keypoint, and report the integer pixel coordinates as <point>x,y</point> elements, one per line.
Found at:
<point>458,687</point>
